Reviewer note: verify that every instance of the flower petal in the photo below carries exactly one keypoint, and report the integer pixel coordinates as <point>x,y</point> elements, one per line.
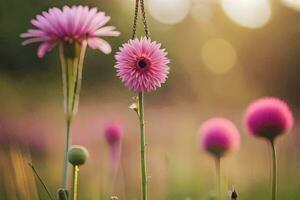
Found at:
<point>107,31</point>
<point>97,43</point>
<point>43,48</point>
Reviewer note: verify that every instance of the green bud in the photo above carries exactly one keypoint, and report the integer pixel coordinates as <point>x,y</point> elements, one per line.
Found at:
<point>77,155</point>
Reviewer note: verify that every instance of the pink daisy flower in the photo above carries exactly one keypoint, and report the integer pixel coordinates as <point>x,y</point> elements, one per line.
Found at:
<point>268,118</point>
<point>142,65</point>
<point>219,136</point>
<point>70,24</point>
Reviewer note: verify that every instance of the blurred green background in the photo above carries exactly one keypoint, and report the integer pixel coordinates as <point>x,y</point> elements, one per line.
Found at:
<point>224,54</point>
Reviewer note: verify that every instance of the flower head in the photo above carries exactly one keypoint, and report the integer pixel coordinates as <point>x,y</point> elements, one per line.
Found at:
<point>142,65</point>
<point>219,136</point>
<point>70,24</point>
<point>268,117</point>
<point>113,133</point>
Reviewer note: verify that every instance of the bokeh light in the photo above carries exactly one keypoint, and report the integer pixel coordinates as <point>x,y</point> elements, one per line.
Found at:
<point>294,4</point>
<point>218,55</point>
<point>169,11</point>
<point>248,13</point>
<point>201,10</point>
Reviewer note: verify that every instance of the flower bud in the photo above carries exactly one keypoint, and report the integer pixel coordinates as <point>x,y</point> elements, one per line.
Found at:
<point>77,155</point>
<point>63,194</point>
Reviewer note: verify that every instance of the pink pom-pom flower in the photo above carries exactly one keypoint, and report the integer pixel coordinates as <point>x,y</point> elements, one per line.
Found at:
<point>142,65</point>
<point>70,24</point>
<point>219,136</point>
<point>113,133</point>
<point>268,118</point>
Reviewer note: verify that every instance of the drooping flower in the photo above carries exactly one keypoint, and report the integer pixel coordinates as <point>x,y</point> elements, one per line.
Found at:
<point>219,136</point>
<point>268,118</point>
<point>70,24</point>
<point>142,65</point>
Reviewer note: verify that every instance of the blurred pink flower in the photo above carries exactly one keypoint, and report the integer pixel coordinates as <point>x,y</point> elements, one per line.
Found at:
<point>268,117</point>
<point>142,65</point>
<point>219,136</point>
<point>113,133</point>
<point>76,23</point>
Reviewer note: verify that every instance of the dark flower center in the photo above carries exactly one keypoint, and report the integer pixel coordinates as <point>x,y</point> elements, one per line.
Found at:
<point>142,63</point>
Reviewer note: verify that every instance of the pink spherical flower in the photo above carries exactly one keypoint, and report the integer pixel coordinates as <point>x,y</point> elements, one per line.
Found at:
<point>142,65</point>
<point>219,136</point>
<point>76,23</point>
<point>268,117</point>
<point>113,133</point>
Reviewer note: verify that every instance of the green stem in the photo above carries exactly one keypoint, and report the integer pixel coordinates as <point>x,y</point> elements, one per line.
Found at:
<point>274,170</point>
<point>75,182</point>
<point>218,177</point>
<point>67,145</point>
<point>143,146</point>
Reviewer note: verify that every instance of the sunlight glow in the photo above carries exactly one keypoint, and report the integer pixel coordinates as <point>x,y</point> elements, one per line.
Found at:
<point>201,11</point>
<point>248,13</point>
<point>169,11</point>
<point>293,4</point>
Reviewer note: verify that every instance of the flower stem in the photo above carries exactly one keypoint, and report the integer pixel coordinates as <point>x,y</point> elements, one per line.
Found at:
<point>143,146</point>
<point>218,177</point>
<point>75,182</point>
<point>67,145</point>
<point>71,58</point>
<point>274,170</point>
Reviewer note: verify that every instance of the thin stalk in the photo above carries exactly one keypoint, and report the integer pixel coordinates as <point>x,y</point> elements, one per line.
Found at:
<point>143,146</point>
<point>66,90</point>
<point>41,181</point>
<point>67,145</point>
<point>78,81</point>
<point>274,170</point>
<point>75,182</point>
<point>64,76</point>
<point>218,177</point>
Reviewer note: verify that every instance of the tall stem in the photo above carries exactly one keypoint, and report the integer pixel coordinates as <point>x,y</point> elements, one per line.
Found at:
<point>67,145</point>
<point>143,146</point>
<point>218,177</point>
<point>274,171</point>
